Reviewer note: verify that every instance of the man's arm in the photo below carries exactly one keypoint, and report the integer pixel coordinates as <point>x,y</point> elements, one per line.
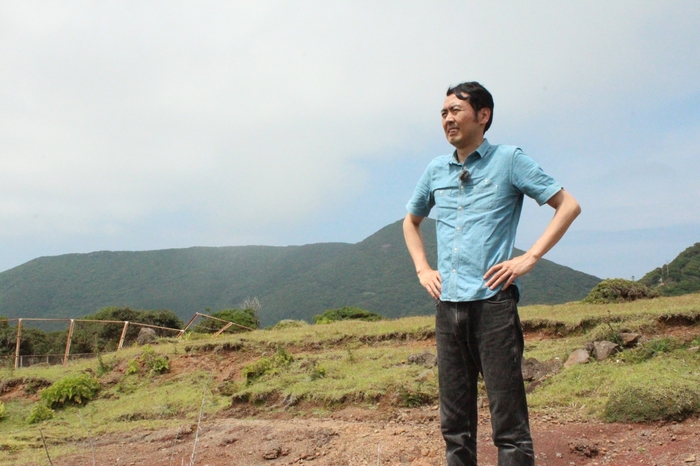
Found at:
<point>566,210</point>
<point>429,278</point>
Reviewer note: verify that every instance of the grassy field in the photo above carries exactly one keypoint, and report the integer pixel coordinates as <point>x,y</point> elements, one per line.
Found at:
<point>313,369</point>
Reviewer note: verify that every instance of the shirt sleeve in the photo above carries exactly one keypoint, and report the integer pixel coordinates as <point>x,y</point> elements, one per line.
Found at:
<point>531,180</point>
<point>422,200</point>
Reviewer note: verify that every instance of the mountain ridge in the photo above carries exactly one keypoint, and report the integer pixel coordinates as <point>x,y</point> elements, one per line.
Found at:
<point>291,282</point>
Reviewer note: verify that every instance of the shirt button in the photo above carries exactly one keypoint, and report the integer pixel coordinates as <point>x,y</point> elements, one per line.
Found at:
<point>454,270</point>
<point>457,228</point>
<point>455,249</point>
<point>459,208</point>
<point>461,186</point>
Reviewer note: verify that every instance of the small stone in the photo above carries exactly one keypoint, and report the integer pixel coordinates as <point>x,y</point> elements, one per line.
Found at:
<point>690,459</point>
<point>580,356</point>
<point>603,349</point>
<point>629,339</point>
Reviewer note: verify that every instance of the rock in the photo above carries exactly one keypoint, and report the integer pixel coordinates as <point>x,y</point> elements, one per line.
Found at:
<point>694,349</point>
<point>426,375</point>
<point>146,336</point>
<point>629,339</point>
<point>425,359</point>
<point>272,453</point>
<point>534,370</point>
<point>580,356</point>
<point>584,447</point>
<point>690,459</point>
<point>603,349</point>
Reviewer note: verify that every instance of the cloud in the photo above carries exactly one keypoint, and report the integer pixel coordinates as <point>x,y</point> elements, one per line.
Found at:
<point>239,121</point>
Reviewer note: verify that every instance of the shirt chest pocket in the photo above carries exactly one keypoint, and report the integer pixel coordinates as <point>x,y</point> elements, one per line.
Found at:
<point>446,202</point>
<point>481,197</point>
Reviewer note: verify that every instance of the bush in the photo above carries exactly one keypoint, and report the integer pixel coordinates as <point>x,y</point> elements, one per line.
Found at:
<point>245,317</point>
<point>39,413</point>
<point>253,371</point>
<point>153,361</point>
<point>618,290</point>
<point>75,389</point>
<point>658,401</point>
<point>346,313</point>
<point>289,323</point>
<point>651,348</point>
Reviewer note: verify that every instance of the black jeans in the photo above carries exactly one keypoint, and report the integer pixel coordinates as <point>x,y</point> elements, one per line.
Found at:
<point>483,337</point>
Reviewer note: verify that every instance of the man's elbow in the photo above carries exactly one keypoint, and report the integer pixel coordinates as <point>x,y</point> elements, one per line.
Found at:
<point>572,206</point>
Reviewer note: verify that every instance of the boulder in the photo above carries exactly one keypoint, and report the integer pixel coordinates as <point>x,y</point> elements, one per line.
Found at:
<point>580,356</point>
<point>146,336</point>
<point>629,339</point>
<point>603,349</point>
<point>534,370</point>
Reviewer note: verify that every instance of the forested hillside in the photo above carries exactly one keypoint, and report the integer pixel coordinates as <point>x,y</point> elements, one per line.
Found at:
<point>681,276</point>
<point>294,282</point>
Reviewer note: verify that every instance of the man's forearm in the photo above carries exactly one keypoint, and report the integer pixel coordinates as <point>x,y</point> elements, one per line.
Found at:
<point>566,211</point>
<point>414,242</point>
<point>429,278</point>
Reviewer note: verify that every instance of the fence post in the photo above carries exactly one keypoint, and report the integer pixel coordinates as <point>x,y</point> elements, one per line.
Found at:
<point>19,339</point>
<point>70,337</point>
<point>121,340</point>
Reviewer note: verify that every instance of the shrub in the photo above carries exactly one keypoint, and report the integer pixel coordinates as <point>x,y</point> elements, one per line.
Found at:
<point>289,323</point>
<point>132,367</point>
<point>253,371</point>
<point>651,348</point>
<point>153,361</point>
<point>414,398</point>
<point>669,401</point>
<point>617,290</point>
<point>39,413</point>
<point>346,313</point>
<point>2,411</point>
<point>245,317</point>
<point>72,389</point>
<point>103,367</point>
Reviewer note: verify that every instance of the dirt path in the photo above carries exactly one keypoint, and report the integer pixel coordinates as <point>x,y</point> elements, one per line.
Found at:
<point>355,436</point>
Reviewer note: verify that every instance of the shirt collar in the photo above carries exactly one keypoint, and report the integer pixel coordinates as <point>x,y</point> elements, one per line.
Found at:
<point>481,151</point>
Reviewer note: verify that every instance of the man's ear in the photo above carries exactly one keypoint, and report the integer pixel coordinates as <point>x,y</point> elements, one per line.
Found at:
<point>484,115</point>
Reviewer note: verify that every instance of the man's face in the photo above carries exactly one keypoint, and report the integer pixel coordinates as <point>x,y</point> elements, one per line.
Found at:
<point>462,125</point>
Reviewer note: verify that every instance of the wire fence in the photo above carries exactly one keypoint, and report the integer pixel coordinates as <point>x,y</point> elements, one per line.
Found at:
<point>19,360</point>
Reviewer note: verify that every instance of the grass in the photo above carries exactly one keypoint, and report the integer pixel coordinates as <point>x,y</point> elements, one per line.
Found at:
<point>578,315</point>
<point>339,376</point>
<point>316,368</point>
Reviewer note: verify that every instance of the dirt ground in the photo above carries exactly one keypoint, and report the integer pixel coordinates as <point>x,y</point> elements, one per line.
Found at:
<point>246,436</point>
<point>355,436</point>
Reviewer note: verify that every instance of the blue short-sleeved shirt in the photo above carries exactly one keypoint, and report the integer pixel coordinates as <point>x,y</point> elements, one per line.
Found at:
<point>477,219</point>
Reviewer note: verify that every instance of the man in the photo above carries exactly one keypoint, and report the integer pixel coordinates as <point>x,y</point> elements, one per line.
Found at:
<point>478,194</point>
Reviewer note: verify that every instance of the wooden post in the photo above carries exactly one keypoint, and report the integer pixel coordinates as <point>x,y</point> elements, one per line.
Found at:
<point>19,339</point>
<point>70,337</point>
<point>121,340</point>
<point>222,330</point>
<point>196,314</point>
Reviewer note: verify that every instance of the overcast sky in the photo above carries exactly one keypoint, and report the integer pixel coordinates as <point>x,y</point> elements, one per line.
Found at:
<point>152,125</point>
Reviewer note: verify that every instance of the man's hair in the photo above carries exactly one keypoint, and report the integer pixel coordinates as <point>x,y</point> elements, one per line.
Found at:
<point>477,96</point>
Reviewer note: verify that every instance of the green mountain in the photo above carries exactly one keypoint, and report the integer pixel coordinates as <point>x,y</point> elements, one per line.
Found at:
<point>681,276</point>
<point>293,282</point>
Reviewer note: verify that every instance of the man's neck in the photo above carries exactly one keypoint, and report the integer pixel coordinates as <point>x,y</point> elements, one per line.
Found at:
<point>464,151</point>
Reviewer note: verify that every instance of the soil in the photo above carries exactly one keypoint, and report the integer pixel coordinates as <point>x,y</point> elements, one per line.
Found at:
<point>356,436</point>
<point>245,436</point>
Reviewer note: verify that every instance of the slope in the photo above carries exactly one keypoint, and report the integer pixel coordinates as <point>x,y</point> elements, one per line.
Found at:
<point>294,282</point>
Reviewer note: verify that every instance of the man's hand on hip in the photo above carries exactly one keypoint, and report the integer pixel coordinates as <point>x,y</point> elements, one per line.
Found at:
<point>431,281</point>
<point>506,272</point>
